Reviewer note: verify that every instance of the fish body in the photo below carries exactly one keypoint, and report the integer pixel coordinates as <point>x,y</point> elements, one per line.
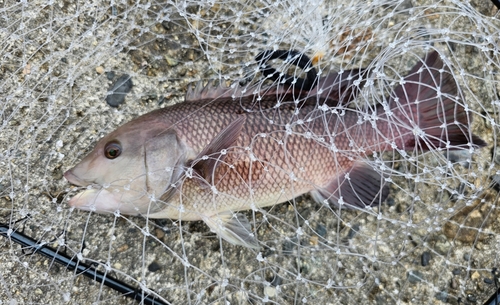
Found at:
<point>212,155</point>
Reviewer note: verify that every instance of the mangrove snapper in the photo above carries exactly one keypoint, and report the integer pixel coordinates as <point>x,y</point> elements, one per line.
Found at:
<point>225,150</point>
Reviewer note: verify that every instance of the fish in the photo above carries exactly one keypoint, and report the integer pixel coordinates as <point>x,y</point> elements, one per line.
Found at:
<point>227,149</point>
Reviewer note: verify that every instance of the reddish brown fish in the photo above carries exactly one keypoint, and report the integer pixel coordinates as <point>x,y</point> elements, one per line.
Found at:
<point>224,150</point>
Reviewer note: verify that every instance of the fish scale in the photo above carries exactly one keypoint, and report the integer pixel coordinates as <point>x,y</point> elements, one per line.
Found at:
<point>224,149</point>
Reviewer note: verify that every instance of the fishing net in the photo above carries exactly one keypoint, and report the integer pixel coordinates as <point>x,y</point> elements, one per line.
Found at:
<point>71,72</point>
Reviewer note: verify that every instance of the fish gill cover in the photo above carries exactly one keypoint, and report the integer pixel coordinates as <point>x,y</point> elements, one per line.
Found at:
<point>72,72</point>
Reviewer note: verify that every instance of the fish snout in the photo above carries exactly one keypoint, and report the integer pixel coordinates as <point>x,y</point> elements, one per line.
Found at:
<point>73,179</point>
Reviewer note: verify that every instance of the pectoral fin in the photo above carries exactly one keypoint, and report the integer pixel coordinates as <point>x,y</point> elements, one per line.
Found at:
<point>234,228</point>
<point>206,162</point>
<point>358,187</point>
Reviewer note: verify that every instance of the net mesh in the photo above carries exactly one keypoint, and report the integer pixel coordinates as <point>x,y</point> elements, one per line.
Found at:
<point>435,239</point>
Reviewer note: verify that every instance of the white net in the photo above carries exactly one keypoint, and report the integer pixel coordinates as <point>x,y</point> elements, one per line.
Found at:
<point>434,239</point>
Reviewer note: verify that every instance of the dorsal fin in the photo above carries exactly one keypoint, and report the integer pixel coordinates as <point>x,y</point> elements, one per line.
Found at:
<point>333,89</point>
<point>199,92</point>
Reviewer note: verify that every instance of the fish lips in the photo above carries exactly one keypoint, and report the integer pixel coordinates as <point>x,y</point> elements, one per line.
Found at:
<point>102,201</point>
<point>96,198</point>
<point>84,200</point>
<point>73,179</point>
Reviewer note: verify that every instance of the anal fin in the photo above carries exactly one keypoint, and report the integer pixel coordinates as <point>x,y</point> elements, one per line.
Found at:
<point>358,187</point>
<point>234,228</point>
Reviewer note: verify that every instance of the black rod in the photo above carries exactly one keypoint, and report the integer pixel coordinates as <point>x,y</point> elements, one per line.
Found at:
<point>494,299</point>
<point>496,3</point>
<point>81,268</point>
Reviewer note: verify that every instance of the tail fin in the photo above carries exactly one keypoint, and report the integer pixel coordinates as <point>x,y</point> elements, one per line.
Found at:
<point>428,102</point>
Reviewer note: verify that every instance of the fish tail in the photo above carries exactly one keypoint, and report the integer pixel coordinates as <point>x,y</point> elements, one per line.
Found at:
<point>428,109</point>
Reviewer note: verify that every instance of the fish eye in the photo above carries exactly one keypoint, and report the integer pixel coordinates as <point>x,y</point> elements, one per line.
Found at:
<point>112,150</point>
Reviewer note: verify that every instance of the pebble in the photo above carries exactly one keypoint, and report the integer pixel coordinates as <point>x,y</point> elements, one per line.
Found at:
<point>110,75</point>
<point>313,241</point>
<point>426,257</point>
<point>442,245</point>
<point>161,100</point>
<point>270,291</point>
<point>276,281</point>
<point>475,275</point>
<point>154,266</point>
<point>99,70</point>
<point>390,201</point>
<point>459,156</point>
<point>488,281</point>
<point>442,296</point>
<point>159,233</point>
<point>320,230</point>
<point>172,62</point>
<point>415,276</point>
<point>471,298</point>
<point>117,92</point>
<point>352,232</point>
<point>289,246</point>
<point>456,271</point>
<point>467,256</point>
<point>123,248</point>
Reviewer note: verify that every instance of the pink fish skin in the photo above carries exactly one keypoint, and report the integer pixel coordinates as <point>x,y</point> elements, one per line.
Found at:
<point>214,155</point>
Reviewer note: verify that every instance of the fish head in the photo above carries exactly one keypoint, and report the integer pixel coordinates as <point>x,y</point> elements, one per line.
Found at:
<point>129,169</point>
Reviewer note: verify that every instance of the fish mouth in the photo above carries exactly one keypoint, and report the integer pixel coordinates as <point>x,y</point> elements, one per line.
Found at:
<point>73,179</point>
